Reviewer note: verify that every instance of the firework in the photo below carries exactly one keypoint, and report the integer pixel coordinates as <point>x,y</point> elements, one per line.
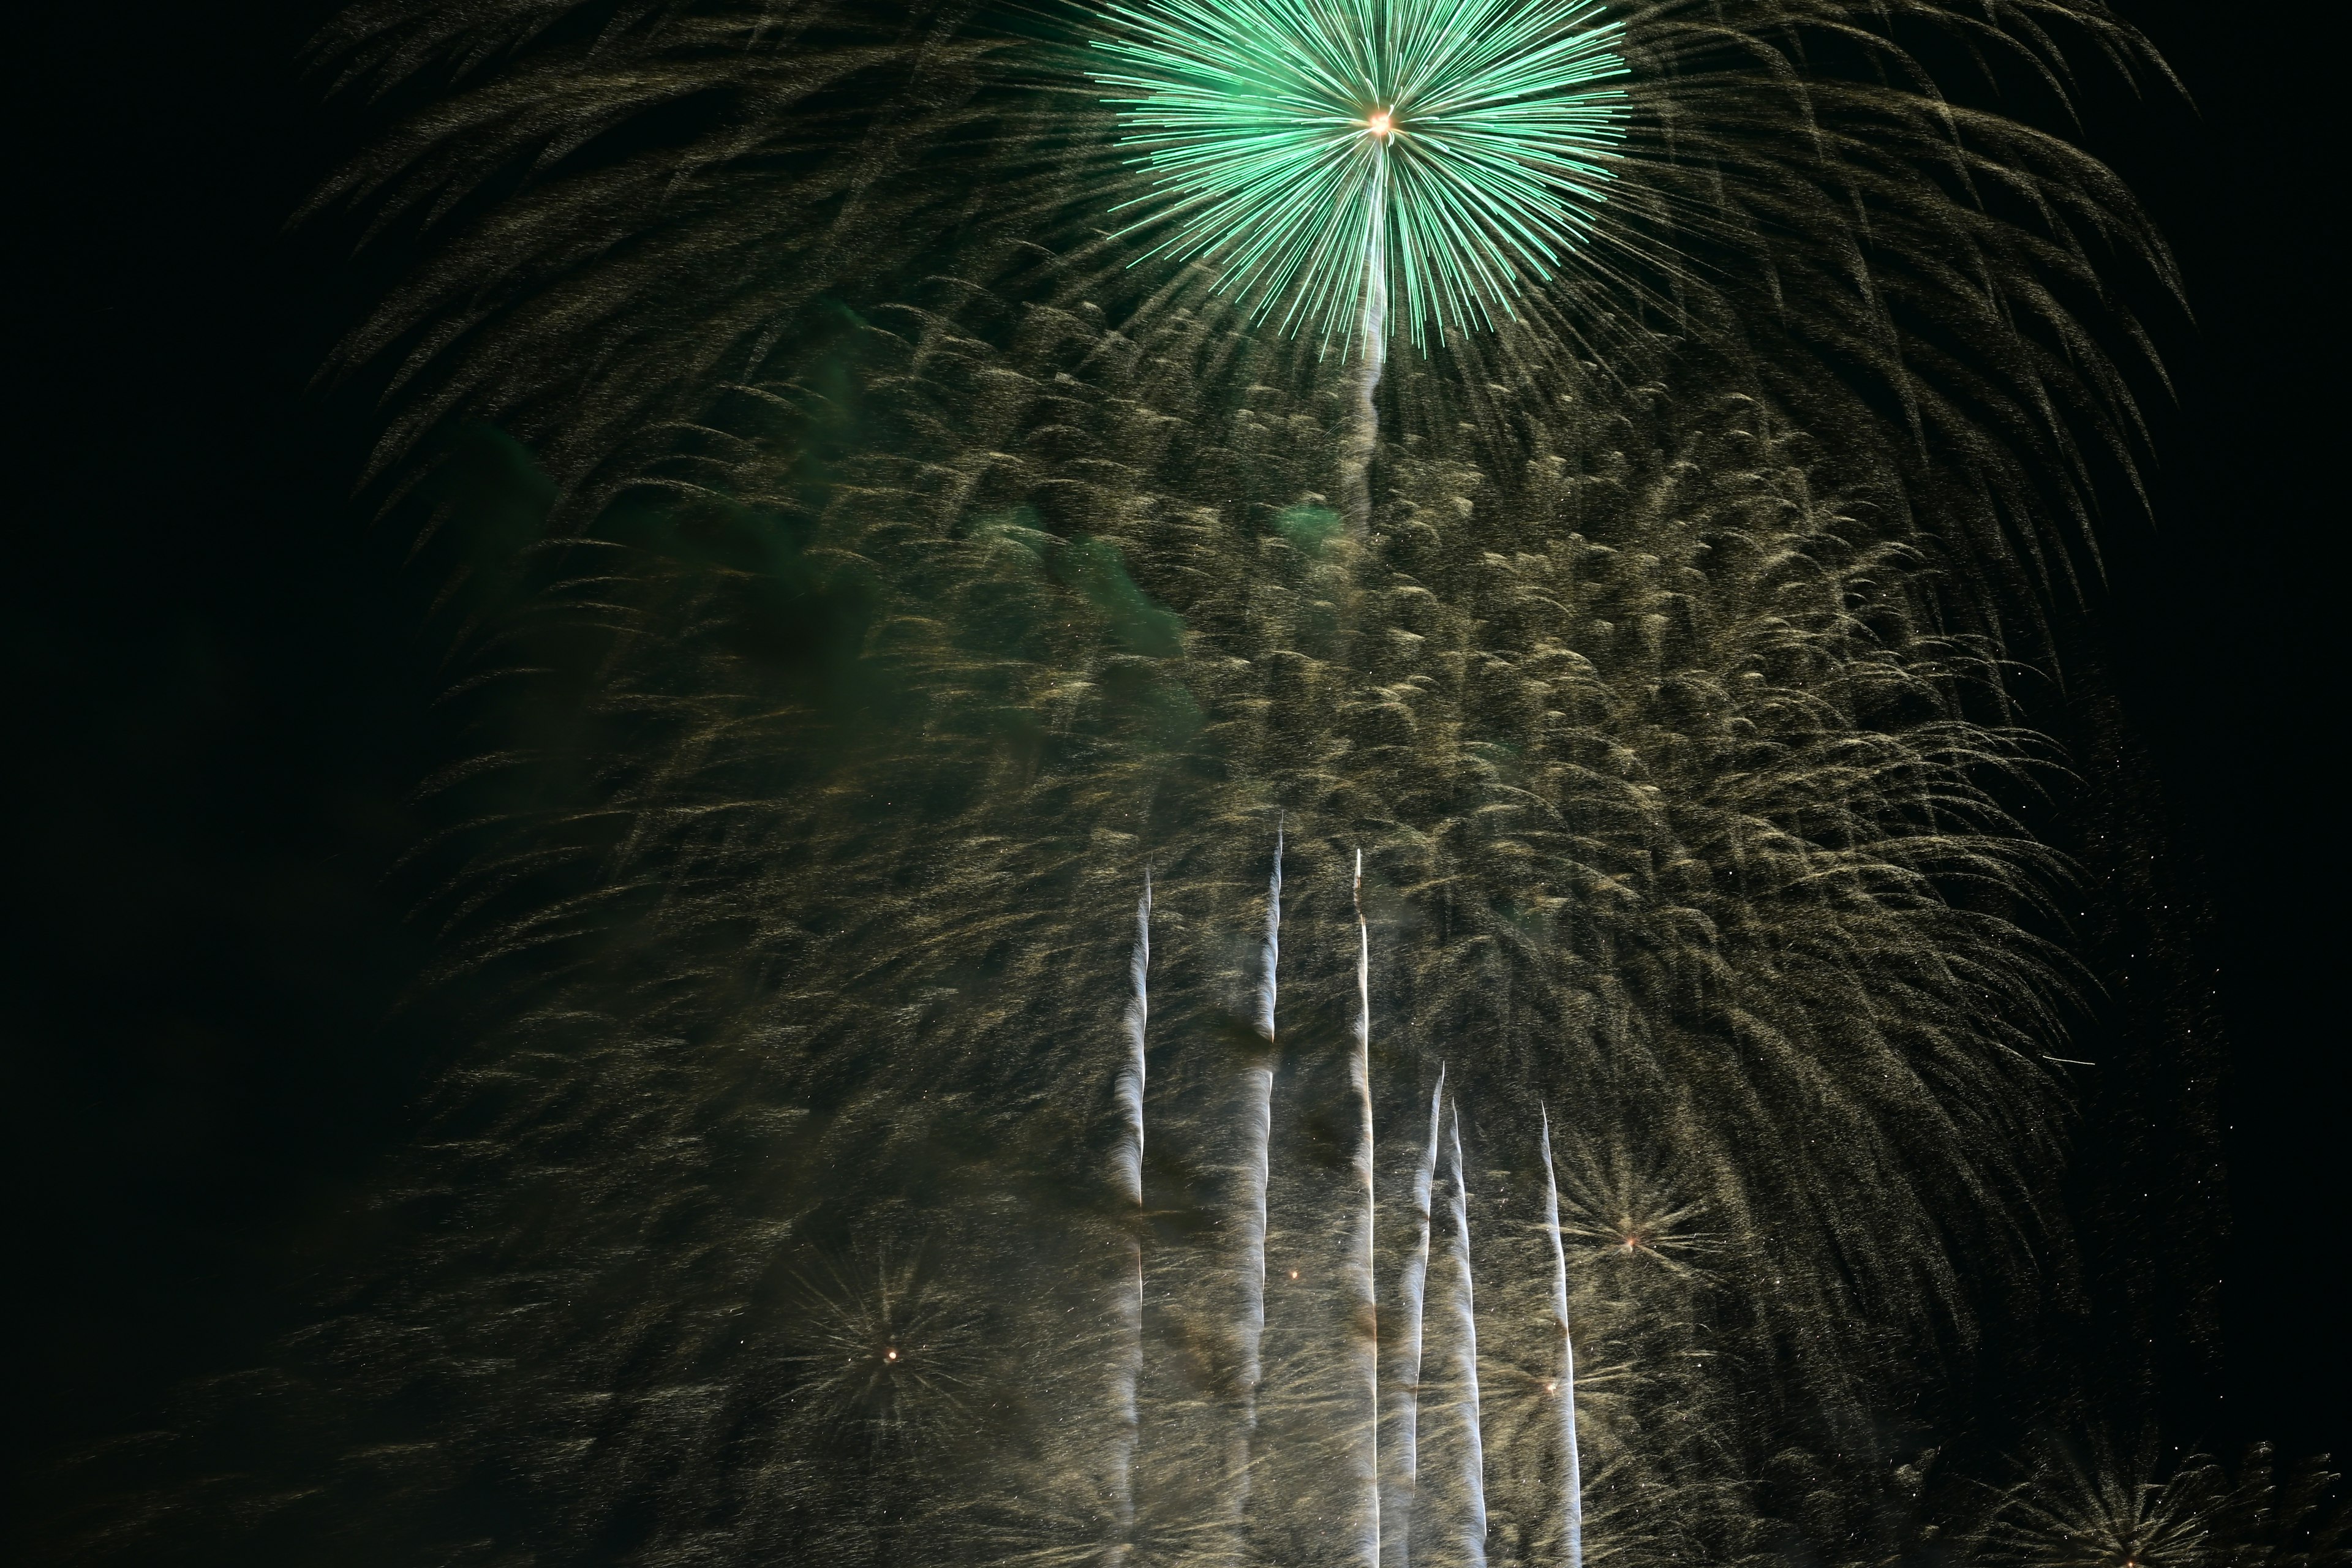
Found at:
<point>1338,159</point>
<point>928,567</point>
<point>1623,1214</point>
<point>887,1354</point>
<point>1819,218</point>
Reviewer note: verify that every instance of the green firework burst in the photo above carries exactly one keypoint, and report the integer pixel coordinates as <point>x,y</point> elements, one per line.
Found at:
<point>1419,162</point>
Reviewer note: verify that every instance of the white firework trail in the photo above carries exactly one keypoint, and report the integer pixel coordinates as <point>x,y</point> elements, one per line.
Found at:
<point>1564,1389</point>
<point>1129,1088</point>
<point>1415,1476</point>
<point>1259,1130</point>
<point>1462,1538</point>
<point>1404,1451</point>
<point>1363,435</point>
<point>1128,1093</point>
<point>1270,955</point>
<point>1367,1344</point>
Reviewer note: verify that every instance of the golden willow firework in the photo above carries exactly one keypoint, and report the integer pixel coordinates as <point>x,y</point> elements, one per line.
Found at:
<point>1796,202</point>
<point>936,555</point>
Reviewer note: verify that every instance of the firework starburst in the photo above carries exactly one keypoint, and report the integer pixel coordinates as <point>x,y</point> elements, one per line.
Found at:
<point>1339,160</point>
<point>891,1351</point>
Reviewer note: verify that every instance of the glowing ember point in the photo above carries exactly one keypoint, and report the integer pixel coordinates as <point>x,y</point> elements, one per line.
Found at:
<point>891,1353</point>
<point>1293,1274</point>
<point>1551,1388</point>
<point>1378,123</point>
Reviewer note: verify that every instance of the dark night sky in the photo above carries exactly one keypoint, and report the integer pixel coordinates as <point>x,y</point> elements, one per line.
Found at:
<point>218,703</point>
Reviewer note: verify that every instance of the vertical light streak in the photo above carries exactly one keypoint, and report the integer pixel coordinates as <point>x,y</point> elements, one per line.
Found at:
<point>1270,953</point>
<point>1128,1093</point>
<point>1259,1130</point>
<point>1450,1498</point>
<point>1573,1483</point>
<point>1261,1114</point>
<point>1368,1333</point>
<point>1469,1526</point>
<point>1129,1088</point>
<point>1405,1462</point>
<point>1364,429</point>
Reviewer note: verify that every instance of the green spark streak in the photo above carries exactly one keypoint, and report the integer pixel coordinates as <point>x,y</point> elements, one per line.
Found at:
<point>1253,121</point>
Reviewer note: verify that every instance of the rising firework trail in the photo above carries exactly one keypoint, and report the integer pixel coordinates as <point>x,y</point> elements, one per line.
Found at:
<point>1563,1386</point>
<point>1269,973</point>
<point>1393,1509</point>
<point>1364,1331</point>
<point>1450,1516</point>
<point>1127,1092</point>
<point>1404,1450</point>
<point>1257,1121</point>
<point>1363,436</point>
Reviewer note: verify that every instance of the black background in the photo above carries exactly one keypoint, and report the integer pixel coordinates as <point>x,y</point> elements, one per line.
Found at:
<point>217,704</point>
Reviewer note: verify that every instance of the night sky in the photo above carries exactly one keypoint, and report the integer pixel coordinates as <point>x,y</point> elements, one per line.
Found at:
<point>222,707</point>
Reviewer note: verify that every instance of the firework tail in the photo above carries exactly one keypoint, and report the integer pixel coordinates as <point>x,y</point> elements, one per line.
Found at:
<point>1258,1129</point>
<point>1454,1507</point>
<point>1364,431</point>
<point>1366,1344</point>
<point>1270,957</point>
<point>1573,1480</point>
<point>1404,1450</point>
<point>1128,1091</point>
<point>1129,1088</point>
